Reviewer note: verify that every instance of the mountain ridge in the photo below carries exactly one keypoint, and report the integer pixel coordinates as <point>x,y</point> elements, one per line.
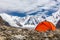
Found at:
<point>30,21</point>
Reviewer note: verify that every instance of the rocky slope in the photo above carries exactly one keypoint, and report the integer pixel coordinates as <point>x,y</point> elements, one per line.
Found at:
<point>13,33</point>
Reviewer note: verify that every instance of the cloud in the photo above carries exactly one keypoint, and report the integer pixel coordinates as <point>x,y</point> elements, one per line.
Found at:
<point>25,5</point>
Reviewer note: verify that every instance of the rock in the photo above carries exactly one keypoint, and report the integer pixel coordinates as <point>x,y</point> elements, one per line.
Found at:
<point>2,22</point>
<point>51,35</point>
<point>2,38</point>
<point>16,37</point>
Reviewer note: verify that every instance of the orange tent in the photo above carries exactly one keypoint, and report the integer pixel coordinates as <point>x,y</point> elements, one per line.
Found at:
<point>45,26</point>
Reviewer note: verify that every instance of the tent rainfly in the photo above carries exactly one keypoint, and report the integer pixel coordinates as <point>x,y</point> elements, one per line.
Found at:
<point>45,26</point>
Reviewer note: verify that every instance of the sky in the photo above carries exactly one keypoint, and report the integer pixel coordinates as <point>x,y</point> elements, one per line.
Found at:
<point>23,8</point>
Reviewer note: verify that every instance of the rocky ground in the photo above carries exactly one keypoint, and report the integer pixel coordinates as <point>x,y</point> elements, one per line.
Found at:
<point>11,33</point>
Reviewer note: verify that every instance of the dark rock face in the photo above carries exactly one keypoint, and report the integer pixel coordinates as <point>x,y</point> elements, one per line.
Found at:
<point>2,22</point>
<point>58,24</point>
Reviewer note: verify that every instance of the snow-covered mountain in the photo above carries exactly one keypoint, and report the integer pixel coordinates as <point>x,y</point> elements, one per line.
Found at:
<point>35,13</point>
<point>30,21</point>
